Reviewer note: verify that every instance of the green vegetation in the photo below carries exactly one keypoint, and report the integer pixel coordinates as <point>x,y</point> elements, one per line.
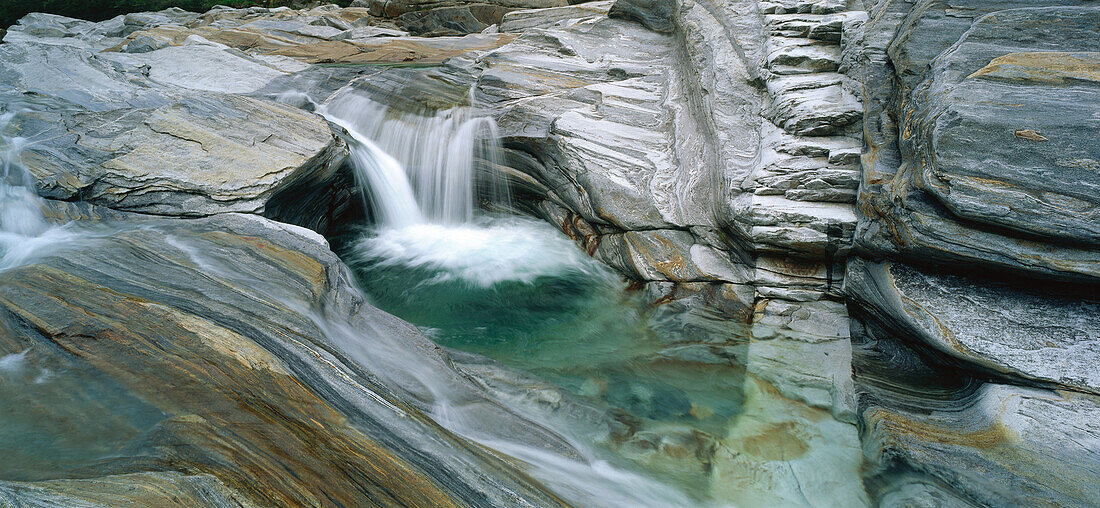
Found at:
<point>98,10</point>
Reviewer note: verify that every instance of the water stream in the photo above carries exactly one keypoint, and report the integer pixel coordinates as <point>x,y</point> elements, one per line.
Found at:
<point>21,220</point>
<point>689,420</point>
<point>517,291</point>
<point>507,287</point>
<point>636,404</point>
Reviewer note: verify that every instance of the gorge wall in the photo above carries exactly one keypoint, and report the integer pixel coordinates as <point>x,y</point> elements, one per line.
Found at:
<point>914,183</point>
<point>899,199</point>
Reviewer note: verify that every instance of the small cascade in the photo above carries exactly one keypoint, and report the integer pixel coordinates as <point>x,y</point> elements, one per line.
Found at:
<point>20,208</point>
<point>420,168</point>
<point>22,224</point>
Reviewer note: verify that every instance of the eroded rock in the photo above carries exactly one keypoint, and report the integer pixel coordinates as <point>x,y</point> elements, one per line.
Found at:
<point>170,311</point>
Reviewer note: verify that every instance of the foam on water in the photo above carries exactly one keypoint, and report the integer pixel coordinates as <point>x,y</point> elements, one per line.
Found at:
<point>483,253</point>
<point>23,229</point>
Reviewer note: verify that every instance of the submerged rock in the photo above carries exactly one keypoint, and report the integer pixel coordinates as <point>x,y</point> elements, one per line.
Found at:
<point>732,158</point>
<point>244,334</point>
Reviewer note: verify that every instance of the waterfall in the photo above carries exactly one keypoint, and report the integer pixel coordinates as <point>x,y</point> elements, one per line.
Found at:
<point>20,210</point>
<point>419,168</point>
<point>25,234</point>
<point>420,174</point>
<point>21,219</point>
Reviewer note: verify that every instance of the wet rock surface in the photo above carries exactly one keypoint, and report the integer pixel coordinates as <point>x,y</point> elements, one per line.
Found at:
<point>218,325</point>
<point>159,132</point>
<point>895,202</point>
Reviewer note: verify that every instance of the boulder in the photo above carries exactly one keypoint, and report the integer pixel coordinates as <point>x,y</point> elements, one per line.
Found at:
<point>208,357</point>
<point>198,154</point>
<point>655,15</point>
<point>162,132</point>
<point>1044,334</point>
<point>959,181</point>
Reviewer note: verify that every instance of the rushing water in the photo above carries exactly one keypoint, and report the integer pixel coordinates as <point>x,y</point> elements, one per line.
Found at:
<point>56,414</point>
<point>21,217</point>
<point>24,231</point>
<point>690,419</point>
<point>406,183</point>
<point>636,399</point>
<point>516,290</point>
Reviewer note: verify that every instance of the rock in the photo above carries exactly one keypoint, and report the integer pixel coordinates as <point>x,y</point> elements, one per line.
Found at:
<point>395,8</point>
<point>931,433</point>
<point>147,489</point>
<point>144,43</point>
<point>947,202</point>
<point>610,143</point>
<point>457,20</point>
<point>151,132</point>
<point>1012,194</point>
<point>778,450</point>
<point>997,326</point>
<point>393,50</point>
<point>197,155</point>
<point>280,39</point>
<point>658,255</point>
<point>655,15</point>
<point>163,313</point>
<point>960,390</point>
<point>727,157</point>
<point>521,20</point>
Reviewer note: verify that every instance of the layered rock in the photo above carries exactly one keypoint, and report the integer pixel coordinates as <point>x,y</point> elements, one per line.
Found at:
<point>927,166</point>
<point>230,347</point>
<point>160,132</point>
<point>935,435</point>
<point>931,189</point>
<point>964,343</point>
<point>450,17</point>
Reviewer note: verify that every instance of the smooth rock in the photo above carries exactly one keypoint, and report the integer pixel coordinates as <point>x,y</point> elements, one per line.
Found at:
<point>169,310</point>
<point>656,15</point>
<point>1046,335</point>
<point>934,435</point>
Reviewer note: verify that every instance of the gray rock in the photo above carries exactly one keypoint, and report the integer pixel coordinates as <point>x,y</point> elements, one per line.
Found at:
<point>395,8</point>
<point>457,20</point>
<point>197,155</point>
<point>1046,180</point>
<point>521,20</point>
<point>927,194</point>
<point>1042,334</point>
<point>179,300</point>
<point>656,15</point>
<point>140,132</point>
<point>934,437</point>
<point>145,43</point>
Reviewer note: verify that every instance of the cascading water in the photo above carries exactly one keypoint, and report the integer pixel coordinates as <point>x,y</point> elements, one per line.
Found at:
<point>420,175</point>
<point>419,168</point>
<point>517,291</point>
<point>20,213</point>
<point>22,225</point>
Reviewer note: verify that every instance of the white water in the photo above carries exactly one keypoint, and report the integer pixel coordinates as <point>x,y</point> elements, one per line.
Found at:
<point>419,173</point>
<point>482,253</point>
<point>23,228</point>
<point>435,159</point>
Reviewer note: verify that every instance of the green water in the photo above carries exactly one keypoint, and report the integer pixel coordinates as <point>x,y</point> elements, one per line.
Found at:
<point>60,418</point>
<point>549,310</point>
